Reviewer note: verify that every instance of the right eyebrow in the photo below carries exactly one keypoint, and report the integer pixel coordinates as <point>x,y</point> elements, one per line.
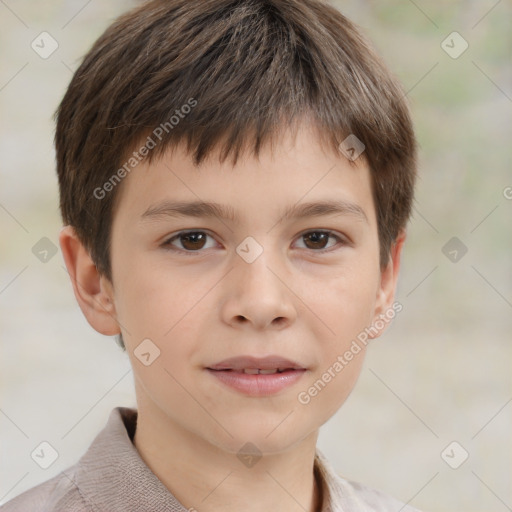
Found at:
<point>189,209</point>
<point>205,209</point>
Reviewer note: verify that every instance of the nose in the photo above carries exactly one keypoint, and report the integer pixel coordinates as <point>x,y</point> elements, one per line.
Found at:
<point>257,296</point>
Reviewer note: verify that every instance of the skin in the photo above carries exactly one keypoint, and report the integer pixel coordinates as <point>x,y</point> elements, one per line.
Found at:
<point>203,307</point>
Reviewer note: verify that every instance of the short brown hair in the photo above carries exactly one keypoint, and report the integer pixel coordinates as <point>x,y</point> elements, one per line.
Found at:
<point>248,68</point>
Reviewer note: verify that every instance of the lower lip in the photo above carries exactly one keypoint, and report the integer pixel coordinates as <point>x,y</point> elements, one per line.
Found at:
<point>258,384</point>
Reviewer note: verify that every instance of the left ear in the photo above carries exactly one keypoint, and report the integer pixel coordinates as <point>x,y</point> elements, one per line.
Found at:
<point>388,281</point>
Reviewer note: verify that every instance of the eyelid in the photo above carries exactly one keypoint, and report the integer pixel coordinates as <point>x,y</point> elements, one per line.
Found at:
<point>341,238</point>
<point>166,244</point>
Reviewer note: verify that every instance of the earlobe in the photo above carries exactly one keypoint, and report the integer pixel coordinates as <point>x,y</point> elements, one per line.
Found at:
<point>93,292</point>
<point>388,282</point>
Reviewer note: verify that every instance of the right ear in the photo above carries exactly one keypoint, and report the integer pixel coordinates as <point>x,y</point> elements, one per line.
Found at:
<point>93,292</point>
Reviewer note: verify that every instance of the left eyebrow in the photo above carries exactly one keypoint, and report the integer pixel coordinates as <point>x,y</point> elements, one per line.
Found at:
<point>318,209</point>
<point>205,209</point>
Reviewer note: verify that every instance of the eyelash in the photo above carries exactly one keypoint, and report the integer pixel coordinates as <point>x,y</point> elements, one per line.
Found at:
<point>167,244</point>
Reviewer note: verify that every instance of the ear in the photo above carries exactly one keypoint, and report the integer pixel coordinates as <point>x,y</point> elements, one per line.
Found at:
<point>94,293</point>
<point>387,287</point>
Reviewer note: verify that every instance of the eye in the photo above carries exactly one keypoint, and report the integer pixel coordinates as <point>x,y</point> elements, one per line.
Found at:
<point>191,241</point>
<point>317,240</point>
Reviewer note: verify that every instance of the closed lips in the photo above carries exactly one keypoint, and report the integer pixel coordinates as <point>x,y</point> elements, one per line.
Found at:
<point>254,371</point>
<point>257,365</point>
<point>257,376</point>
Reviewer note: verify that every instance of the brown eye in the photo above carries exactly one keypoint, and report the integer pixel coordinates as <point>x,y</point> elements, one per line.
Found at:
<point>193,241</point>
<point>318,240</point>
<point>190,241</point>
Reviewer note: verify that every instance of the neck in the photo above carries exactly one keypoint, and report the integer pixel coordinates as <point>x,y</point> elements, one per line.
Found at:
<point>205,478</point>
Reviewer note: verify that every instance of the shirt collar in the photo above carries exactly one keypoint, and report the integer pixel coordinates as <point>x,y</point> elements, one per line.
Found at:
<point>112,472</point>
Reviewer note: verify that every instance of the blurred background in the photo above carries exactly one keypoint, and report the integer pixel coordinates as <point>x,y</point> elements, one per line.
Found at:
<point>430,419</point>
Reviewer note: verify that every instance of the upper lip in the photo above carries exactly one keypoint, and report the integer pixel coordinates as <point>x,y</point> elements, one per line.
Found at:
<point>261,363</point>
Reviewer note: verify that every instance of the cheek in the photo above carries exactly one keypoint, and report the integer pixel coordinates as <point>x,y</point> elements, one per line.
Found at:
<point>151,300</point>
<point>170,309</point>
<point>326,391</point>
<point>346,308</point>
<point>343,301</point>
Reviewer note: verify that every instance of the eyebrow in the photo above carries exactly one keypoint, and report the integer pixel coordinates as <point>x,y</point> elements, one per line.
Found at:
<point>206,209</point>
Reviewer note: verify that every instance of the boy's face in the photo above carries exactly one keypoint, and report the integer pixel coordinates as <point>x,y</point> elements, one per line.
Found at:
<point>204,299</point>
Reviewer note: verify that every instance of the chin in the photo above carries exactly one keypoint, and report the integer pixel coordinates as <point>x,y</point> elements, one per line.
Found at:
<point>261,436</point>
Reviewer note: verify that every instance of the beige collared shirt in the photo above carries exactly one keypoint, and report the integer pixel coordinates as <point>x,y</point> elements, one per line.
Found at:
<point>112,477</point>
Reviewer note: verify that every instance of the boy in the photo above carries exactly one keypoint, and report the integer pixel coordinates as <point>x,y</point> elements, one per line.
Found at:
<point>244,289</point>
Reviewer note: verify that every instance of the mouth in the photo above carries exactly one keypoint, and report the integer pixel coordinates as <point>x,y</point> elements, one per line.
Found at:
<point>257,365</point>
<point>257,376</point>
<point>256,371</point>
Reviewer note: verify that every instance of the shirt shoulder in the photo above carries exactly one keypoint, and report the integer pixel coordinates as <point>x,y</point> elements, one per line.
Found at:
<point>58,494</point>
<point>110,477</point>
<point>368,499</point>
<point>342,495</point>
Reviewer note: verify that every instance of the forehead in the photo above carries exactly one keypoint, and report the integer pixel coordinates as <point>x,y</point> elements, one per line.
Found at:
<point>295,178</point>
